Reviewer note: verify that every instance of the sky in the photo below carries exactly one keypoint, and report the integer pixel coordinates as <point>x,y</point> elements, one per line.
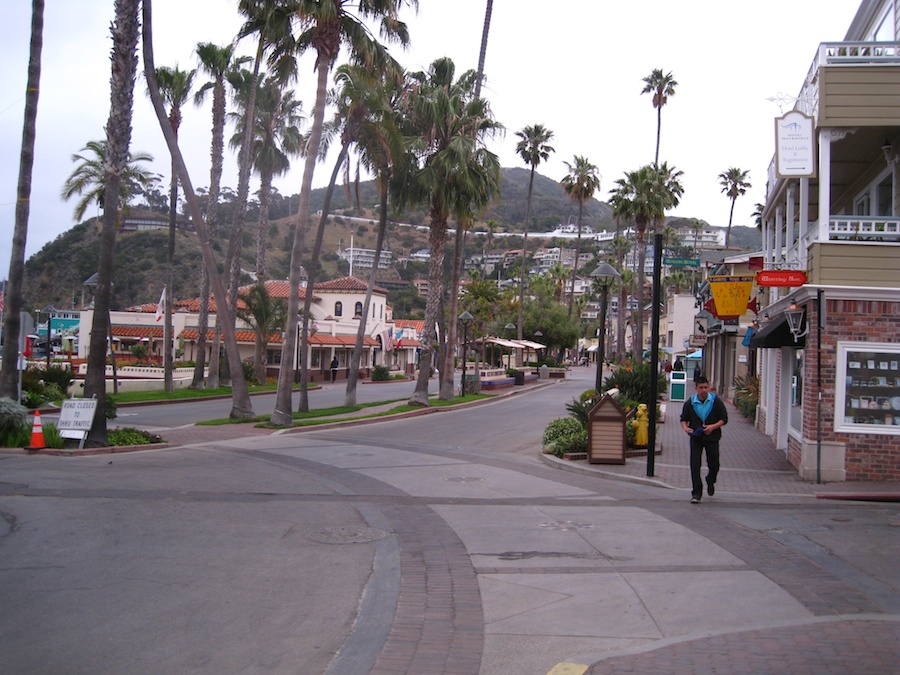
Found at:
<point>578,72</point>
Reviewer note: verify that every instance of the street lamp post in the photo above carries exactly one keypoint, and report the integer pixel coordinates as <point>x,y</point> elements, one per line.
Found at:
<point>510,327</point>
<point>538,334</point>
<point>465,318</point>
<point>605,275</point>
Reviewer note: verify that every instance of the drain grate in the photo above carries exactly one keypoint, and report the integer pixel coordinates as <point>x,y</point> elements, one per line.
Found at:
<point>347,534</point>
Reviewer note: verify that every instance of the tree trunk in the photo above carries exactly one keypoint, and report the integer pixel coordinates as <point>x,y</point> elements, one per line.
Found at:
<point>13,300</point>
<point>730,216</point>
<point>262,231</point>
<point>637,328</point>
<point>449,369</point>
<point>312,274</point>
<point>353,375</point>
<point>520,324</point>
<point>484,40</point>
<point>125,30</point>
<point>577,255</point>
<point>438,232</point>
<point>241,407</point>
<point>281,416</point>
<point>168,381</point>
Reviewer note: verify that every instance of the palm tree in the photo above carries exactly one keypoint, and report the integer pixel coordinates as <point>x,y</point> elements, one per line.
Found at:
<point>16,282</point>
<point>241,405</point>
<point>758,211</point>
<point>125,31</point>
<point>580,184</point>
<point>326,26</point>
<point>450,126</point>
<point>265,315</point>
<point>735,183</point>
<point>217,62</point>
<point>276,138</point>
<point>175,88</point>
<point>489,8</point>
<point>533,147</point>
<point>644,196</point>
<point>88,180</point>
<point>662,87</point>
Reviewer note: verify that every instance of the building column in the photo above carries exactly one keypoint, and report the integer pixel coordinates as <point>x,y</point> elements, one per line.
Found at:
<point>789,223</point>
<point>824,184</point>
<point>804,222</point>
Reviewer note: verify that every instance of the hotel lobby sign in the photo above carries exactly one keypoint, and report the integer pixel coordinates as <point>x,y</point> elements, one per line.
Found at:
<point>795,146</point>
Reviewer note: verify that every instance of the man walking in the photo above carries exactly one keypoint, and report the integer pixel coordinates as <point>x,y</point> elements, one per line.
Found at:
<point>702,418</point>
<point>334,369</point>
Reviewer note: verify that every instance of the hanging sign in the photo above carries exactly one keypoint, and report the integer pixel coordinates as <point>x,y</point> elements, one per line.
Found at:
<point>795,146</point>
<point>731,293</point>
<point>781,278</point>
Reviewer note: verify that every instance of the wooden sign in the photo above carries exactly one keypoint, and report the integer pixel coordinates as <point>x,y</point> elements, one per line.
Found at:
<point>781,278</point>
<point>731,293</point>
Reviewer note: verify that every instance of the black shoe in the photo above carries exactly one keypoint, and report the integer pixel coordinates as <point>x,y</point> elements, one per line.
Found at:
<point>695,500</point>
<point>710,488</point>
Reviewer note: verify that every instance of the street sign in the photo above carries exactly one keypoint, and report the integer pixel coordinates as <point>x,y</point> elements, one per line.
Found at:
<point>76,417</point>
<point>781,278</point>
<point>682,262</point>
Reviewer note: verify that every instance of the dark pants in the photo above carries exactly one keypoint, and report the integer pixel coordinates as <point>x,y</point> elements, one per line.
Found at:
<point>333,374</point>
<point>698,444</point>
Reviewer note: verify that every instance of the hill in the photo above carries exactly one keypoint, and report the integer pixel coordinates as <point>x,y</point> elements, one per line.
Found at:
<point>55,274</point>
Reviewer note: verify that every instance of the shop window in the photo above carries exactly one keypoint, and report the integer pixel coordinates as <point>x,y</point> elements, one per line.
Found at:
<point>867,388</point>
<point>796,414</point>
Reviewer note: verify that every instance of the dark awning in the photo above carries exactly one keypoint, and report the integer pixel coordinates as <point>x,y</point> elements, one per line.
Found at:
<point>776,333</point>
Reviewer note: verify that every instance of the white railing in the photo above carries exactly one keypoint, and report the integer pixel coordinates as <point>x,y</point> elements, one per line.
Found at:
<point>859,228</point>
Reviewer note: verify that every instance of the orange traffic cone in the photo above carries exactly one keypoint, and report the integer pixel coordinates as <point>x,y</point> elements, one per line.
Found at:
<point>37,433</point>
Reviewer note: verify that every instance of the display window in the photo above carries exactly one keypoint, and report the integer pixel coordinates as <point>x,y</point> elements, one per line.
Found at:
<point>867,388</point>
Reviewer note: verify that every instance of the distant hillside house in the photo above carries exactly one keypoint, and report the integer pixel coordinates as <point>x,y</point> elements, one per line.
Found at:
<point>364,258</point>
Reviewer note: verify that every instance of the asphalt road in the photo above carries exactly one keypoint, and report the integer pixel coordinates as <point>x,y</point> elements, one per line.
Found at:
<point>351,549</point>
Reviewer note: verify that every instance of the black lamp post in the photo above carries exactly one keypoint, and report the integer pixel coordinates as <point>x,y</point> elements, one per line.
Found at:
<point>538,334</point>
<point>509,326</point>
<point>605,275</point>
<point>465,318</point>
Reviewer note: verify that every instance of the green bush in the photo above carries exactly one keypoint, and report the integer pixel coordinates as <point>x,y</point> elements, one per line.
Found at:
<point>579,409</point>
<point>577,442</point>
<point>381,373</point>
<point>52,437</point>
<point>746,394</point>
<point>32,399</point>
<point>16,438</point>
<point>60,376</point>
<point>564,426</point>
<point>633,382</point>
<point>132,436</point>
<point>52,392</point>
<point>112,407</point>
<point>13,417</point>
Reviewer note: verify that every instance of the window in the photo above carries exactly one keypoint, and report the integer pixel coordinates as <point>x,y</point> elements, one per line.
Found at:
<point>796,412</point>
<point>357,309</point>
<point>867,388</point>
<point>861,205</point>
<point>339,309</point>
<point>884,196</point>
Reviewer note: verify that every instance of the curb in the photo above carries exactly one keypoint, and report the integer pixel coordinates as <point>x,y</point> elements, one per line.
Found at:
<point>576,467</point>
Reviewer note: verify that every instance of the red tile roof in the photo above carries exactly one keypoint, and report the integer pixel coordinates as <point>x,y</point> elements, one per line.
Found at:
<point>319,339</point>
<point>138,331</point>
<point>347,284</point>
<point>417,325</point>
<point>277,288</point>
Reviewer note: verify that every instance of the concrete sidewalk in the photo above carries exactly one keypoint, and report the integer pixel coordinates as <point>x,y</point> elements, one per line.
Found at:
<point>750,464</point>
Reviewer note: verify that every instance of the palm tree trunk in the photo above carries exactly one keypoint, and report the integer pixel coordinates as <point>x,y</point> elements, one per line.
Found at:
<point>658,130</point>
<point>241,408</point>
<point>168,381</point>
<point>577,255</point>
<point>437,234</point>
<point>730,216</point>
<point>262,231</point>
<point>202,329</point>
<point>281,416</point>
<point>9,379</point>
<point>312,273</point>
<point>353,375</point>
<point>484,41</point>
<point>448,369</point>
<point>637,328</point>
<point>520,323</point>
<point>125,30</point>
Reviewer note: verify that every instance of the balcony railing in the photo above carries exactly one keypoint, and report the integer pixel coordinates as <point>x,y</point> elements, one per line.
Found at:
<point>852,229</point>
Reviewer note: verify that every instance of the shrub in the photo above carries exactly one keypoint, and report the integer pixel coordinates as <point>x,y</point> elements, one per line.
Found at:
<point>13,416</point>
<point>381,373</point>
<point>32,399</point>
<point>132,436</point>
<point>58,375</point>
<point>112,407</point>
<point>633,382</point>
<point>579,409</point>
<point>16,438</point>
<point>577,442</point>
<point>52,392</point>
<point>564,426</point>
<point>52,437</point>
<point>746,394</point>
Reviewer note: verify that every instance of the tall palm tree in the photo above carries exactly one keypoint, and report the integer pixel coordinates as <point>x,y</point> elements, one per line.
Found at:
<point>449,125</point>
<point>662,87</point>
<point>175,88</point>
<point>88,179</point>
<point>241,407</point>
<point>125,31</point>
<point>582,181</point>
<point>486,28</point>
<point>16,279</point>
<point>216,62</point>
<point>644,196</point>
<point>735,183</point>
<point>276,138</point>
<point>533,147</point>
<point>326,26</point>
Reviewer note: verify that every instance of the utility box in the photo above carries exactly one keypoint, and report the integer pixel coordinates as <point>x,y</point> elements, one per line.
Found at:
<point>606,432</point>
<point>678,385</point>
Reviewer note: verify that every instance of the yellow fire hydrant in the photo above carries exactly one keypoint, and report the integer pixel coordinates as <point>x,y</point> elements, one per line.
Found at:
<point>642,426</point>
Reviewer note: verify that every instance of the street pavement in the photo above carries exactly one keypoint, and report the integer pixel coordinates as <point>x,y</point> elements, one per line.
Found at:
<point>440,543</point>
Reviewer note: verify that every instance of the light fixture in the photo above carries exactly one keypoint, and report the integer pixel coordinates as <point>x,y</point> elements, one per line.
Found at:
<point>889,155</point>
<point>794,316</point>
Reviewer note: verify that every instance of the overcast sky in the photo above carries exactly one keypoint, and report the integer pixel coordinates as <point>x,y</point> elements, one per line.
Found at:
<point>575,67</point>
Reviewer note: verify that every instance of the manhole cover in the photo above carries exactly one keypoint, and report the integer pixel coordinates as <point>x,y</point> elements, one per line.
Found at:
<point>464,479</point>
<point>346,535</point>
<point>568,526</point>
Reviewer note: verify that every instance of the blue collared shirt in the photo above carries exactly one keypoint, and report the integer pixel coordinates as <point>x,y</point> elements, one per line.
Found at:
<point>703,408</point>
